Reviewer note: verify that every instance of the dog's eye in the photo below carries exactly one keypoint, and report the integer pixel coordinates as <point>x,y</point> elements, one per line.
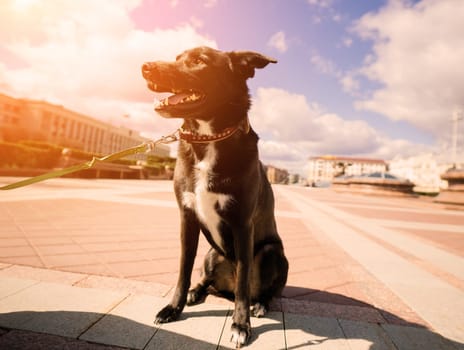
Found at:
<point>198,61</point>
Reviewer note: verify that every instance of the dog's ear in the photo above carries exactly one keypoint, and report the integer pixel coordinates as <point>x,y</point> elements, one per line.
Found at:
<point>246,62</point>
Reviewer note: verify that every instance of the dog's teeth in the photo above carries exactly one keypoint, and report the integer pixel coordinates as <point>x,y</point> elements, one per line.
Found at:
<point>160,103</point>
<point>193,97</point>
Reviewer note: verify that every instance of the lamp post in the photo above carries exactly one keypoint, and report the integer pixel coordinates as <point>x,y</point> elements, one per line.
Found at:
<point>454,134</point>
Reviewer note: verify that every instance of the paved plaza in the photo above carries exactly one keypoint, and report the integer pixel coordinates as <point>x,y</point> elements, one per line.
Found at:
<point>86,264</point>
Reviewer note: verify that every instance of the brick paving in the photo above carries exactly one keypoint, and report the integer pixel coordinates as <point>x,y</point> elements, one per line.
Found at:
<point>115,235</point>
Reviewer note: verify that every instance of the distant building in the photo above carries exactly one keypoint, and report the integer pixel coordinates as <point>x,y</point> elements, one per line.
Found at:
<point>325,168</point>
<point>276,175</point>
<point>293,178</point>
<point>24,119</point>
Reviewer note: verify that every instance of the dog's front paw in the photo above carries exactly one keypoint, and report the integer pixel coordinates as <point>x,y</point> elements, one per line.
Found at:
<point>258,310</point>
<point>240,334</point>
<point>168,314</point>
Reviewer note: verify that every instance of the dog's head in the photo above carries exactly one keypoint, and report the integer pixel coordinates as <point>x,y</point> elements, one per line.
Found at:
<point>203,81</point>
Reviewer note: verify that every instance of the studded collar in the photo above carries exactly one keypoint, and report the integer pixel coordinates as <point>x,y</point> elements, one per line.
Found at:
<point>194,137</point>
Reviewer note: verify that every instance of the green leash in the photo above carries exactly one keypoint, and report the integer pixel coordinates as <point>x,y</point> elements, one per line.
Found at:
<point>142,148</point>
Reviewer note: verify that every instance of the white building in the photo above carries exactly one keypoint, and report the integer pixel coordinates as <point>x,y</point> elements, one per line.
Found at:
<point>423,170</point>
<point>325,168</point>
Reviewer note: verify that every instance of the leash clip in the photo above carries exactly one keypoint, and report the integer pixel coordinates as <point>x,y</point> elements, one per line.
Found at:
<point>151,145</point>
<point>170,138</point>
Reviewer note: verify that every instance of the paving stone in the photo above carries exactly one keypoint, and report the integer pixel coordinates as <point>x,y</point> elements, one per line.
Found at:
<point>11,285</point>
<point>169,278</point>
<point>450,241</point>
<point>50,240</point>
<point>121,284</point>
<point>348,312</point>
<point>38,274</point>
<point>24,260</point>
<point>307,332</point>
<point>130,324</point>
<point>56,309</point>
<point>366,336</point>
<point>12,242</point>
<point>59,249</point>
<point>412,338</point>
<point>138,268</point>
<point>20,251</point>
<point>438,257</point>
<point>54,261</point>
<point>93,269</point>
<point>26,340</point>
<point>266,333</point>
<point>199,328</point>
<point>4,266</point>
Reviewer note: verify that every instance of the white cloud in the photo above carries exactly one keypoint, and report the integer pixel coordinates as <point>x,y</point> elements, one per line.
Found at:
<point>348,80</point>
<point>73,55</point>
<point>291,129</point>
<point>283,116</point>
<point>337,17</point>
<point>347,42</point>
<point>350,84</point>
<point>325,65</point>
<point>278,41</point>
<point>316,19</point>
<point>417,57</point>
<point>196,22</point>
<point>321,3</point>
<point>325,11</point>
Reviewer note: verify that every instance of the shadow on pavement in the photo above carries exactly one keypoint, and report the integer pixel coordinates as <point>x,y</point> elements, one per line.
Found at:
<point>301,331</point>
<point>301,296</point>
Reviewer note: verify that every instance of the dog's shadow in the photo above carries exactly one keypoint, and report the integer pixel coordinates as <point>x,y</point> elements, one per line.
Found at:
<point>335,321</point>
<point>292,329</point>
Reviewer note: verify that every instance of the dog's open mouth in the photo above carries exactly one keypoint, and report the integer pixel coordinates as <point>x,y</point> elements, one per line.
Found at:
<point>180,99</point>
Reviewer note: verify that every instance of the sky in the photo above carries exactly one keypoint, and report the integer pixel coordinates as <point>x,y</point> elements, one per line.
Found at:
<point>365,78</point>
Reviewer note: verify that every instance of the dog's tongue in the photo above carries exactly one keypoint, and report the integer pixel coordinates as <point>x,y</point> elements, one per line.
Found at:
<point>175,99</point>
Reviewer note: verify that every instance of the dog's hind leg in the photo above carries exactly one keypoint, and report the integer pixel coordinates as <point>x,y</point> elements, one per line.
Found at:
<point>217,279</point>
<point>270,269</point>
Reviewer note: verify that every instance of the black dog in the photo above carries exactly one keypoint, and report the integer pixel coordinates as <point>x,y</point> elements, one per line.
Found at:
<point>220,184</point>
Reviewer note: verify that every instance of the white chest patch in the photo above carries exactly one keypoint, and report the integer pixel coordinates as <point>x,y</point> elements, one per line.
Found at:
<point>202,200</point>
